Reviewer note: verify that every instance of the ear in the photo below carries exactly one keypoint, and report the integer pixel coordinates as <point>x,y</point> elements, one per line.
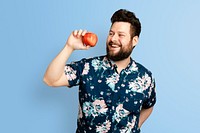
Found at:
<point>135,40</point>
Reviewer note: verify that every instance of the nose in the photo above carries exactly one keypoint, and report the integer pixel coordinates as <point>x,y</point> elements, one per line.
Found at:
<point>114,38</point>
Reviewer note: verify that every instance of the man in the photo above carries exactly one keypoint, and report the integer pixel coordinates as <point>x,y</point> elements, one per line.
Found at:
<point>116,94</point>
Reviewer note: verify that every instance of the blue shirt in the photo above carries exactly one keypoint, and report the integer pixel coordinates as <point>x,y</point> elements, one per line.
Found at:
<point>110,102</point>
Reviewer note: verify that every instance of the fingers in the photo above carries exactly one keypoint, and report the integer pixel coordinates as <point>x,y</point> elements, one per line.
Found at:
<point>84,31</point>
<point>76,40</point>
<point>79,33</point>
<point>86,47</point>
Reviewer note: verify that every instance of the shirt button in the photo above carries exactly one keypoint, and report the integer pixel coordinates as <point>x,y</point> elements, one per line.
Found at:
<point>113,107</point>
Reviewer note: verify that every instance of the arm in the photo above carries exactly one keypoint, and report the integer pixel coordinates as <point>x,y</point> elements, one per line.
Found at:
<point>54,75</point>
<point>144,114</point>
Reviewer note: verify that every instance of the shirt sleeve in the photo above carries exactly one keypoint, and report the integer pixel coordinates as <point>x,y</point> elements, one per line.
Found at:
<point>151,98</point>
<point>73,72</point>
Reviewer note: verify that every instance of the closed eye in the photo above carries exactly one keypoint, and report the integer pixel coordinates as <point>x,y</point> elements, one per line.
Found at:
<point>111,34</point>
<point>121,35</point>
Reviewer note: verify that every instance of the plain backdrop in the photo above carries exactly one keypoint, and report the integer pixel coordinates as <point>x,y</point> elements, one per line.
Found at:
<point>32,32</point>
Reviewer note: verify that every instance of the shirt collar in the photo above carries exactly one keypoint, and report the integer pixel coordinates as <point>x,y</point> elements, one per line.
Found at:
<point>113,65</point>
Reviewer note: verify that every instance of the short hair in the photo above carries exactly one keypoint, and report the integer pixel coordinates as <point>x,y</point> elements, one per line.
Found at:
<point>124,15</point>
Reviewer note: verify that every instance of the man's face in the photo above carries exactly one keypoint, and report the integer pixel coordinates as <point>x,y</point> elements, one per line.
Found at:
<point>119,42</point>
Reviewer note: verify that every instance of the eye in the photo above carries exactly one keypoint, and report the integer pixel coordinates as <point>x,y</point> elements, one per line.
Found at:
<point>111,34</point>
<point>121,35</point>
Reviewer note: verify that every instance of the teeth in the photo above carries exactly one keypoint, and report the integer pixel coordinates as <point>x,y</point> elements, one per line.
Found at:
<point>115,46</point>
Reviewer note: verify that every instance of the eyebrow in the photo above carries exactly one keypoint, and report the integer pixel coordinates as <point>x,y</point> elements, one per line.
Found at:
<point>118,31</point>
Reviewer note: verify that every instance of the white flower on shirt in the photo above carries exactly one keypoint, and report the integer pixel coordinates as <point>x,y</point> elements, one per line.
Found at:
<point>140,84</point>
<point>96,64</point>
<point>133,68</point>
<point>111,81</point>
<point>95,108</point>
<point>120,113</point>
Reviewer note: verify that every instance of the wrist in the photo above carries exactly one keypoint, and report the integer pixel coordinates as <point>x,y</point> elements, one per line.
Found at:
<point>69,48</point>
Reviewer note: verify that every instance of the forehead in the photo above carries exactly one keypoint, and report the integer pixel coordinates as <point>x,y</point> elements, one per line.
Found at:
<point>121,27</point>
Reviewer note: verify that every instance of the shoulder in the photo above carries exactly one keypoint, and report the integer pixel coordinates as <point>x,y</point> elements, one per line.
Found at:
<point>90,59</point>
<point>142,69</point>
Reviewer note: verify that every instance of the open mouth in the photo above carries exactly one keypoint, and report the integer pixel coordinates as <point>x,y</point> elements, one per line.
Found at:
<point>114,46</point>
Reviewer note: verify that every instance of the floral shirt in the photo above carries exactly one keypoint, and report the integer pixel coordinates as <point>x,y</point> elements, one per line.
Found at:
<point>110,102</point>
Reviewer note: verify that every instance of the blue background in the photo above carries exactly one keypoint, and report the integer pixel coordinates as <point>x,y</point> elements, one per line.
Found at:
<point>32,32</point>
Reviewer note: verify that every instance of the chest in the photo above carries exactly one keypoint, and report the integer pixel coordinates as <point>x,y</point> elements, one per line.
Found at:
<point>112,89</point>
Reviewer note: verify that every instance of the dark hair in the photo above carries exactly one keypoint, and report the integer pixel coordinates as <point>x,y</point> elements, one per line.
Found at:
<point>124,15</point>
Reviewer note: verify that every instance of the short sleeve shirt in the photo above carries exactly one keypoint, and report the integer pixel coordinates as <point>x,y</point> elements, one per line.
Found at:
<point>110,102</point>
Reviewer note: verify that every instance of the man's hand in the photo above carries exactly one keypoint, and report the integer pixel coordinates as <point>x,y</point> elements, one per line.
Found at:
<point>75,40</point>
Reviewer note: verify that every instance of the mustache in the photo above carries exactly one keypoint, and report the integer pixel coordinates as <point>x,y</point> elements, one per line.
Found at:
<point>112,43</point>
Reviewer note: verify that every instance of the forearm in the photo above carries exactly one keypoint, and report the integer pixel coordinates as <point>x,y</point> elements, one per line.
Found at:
<point>56,67</point>
<point>55,75</point>
<point>144,114</point>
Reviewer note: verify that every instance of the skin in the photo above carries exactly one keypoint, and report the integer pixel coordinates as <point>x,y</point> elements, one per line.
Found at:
<point>119,39</point>
<point>55,75</point>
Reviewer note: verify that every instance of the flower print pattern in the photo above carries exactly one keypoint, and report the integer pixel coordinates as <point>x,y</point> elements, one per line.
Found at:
<point>152,87</point>
<point>140,84</point>
<point>111,81</point>
<point>129,127</point>
<point>86,69</point>
<point>105,63</point>
<point>97,64</point>
<point>146,81</point>
<point>133,68</point>
<point>100,106</point>
<point>120,113</point>
<point>104,128</point>
<point>88,109</point>
<point>107,99</point>
<point>70,73</point>
<point>94,108</point>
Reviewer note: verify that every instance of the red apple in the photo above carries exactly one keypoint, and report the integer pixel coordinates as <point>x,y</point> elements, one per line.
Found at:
<point>90,39</point>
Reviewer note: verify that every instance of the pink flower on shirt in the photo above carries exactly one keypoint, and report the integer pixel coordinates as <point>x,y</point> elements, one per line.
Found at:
<point>103,128</point>
<point>100,106</point>
<point>86,69</point>
<point>70,73</point>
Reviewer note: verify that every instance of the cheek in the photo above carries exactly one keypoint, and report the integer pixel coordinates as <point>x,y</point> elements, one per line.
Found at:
<point>107,40</point>
<point>124,41</point>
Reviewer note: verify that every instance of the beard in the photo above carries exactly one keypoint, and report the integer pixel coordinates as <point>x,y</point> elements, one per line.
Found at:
<point>123,53</point>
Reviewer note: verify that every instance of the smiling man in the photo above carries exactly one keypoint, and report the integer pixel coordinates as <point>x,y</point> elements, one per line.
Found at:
<point>116,94</point>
